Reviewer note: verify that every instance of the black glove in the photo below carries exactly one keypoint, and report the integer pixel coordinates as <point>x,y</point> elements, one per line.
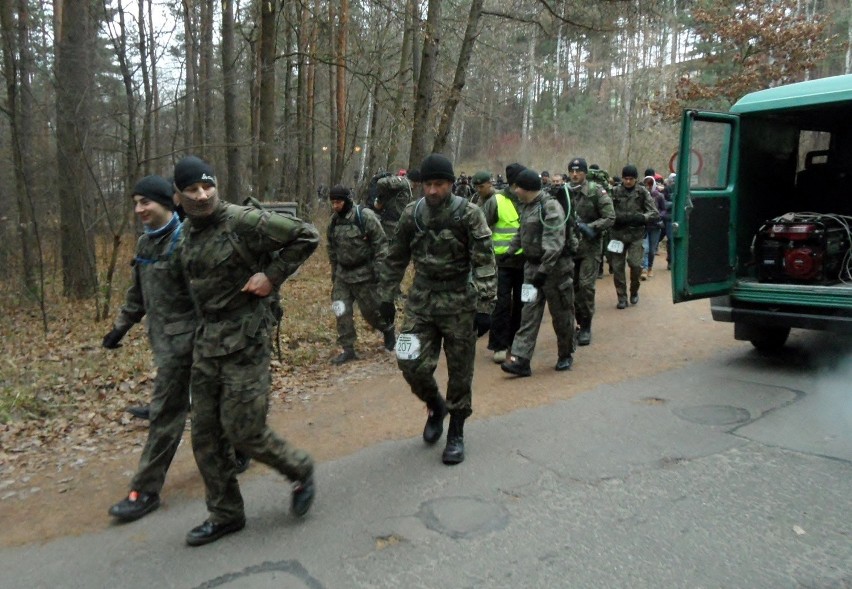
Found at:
<point>387,310</point>
<point>539,279</point>
<point>637,219</point>
<point>588,232</point>
<point>112,339</point>
<point>482,323</point>
<point>622,218</point>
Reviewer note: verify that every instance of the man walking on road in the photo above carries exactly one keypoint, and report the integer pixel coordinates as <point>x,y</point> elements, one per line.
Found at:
<point>160,293</point>
<point>501,214</point>
<point>226,256</point>
<point>595,215</point>
<point>453,291</point>
<point>548,270</point>
<point>634,209</point>
<point>357,248</point>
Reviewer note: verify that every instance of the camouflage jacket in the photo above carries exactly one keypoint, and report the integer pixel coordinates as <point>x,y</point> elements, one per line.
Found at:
<point>593,206</point>
<point>212,256</point>
<point>628,203</point>
<point>394,193</point>
<point>450,245</point>
<point>159,291</point>
<point>357,246</point>
<point>542,236</point>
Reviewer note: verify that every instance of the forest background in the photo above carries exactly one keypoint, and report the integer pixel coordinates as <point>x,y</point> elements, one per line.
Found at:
<point>286,97</point>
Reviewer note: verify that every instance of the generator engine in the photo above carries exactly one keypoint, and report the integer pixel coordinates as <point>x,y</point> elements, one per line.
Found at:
<point>806,250</point>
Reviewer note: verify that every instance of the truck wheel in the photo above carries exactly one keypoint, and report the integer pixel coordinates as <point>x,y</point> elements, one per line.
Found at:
<point>770,339</point>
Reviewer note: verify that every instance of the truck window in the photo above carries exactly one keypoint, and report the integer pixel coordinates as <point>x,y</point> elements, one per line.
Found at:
<point>710,155</point>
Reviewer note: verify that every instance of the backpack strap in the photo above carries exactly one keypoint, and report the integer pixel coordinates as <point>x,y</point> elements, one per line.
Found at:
<point>457,203</point>
<point>252,262</point>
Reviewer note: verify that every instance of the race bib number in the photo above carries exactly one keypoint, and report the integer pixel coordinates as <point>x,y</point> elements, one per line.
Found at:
<point>529,293</point>
<point>339,308</point>
<point>407,346</point>
<point>615,246</point>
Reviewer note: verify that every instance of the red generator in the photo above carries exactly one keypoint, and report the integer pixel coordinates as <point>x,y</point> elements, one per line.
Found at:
<point>808,251</point>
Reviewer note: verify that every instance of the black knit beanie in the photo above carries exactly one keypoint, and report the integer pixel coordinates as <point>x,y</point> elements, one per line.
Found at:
<point>512,171</point>
<point>414,175</point>
<point>339,192</point>
<point>528,180</point>
<point>436,167</point>
<point>155,188</point>
<point>578,163</point>
<point>192,169</point>
<point>629,171</point>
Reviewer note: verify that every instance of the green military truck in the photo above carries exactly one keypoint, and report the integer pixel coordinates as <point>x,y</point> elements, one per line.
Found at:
<point>762,211</point>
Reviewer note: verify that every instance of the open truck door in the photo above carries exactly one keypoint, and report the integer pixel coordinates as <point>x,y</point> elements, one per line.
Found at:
<point>703,208</point>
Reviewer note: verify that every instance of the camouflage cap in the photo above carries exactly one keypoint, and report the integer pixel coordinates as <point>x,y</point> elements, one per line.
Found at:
<point>481,177</point>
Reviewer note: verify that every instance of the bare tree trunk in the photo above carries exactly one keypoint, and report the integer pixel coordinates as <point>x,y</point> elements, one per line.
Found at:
<point>340,89</point>
<point>415,25</point>
<point>232,149</point>
<point>75,37</point>
<point>426,84</point>
<point>18,67</point>
<point>470,34</point>
<point>156,146</point>
<point>205,71</point>
<point>146,85</point>
<point>529,78</point>
<point>131,158</point>
<point>266,118</point>
<point>190,137</point>
<point>333,130</point>
<point>402,93</point>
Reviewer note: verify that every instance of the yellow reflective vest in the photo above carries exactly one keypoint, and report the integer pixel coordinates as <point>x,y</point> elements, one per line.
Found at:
<point>508,223</point>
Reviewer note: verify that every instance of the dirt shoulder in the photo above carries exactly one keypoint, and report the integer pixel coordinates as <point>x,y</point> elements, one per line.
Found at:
<point>366,402</point>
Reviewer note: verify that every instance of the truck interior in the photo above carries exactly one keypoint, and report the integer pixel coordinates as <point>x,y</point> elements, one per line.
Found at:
<point>793,161</point>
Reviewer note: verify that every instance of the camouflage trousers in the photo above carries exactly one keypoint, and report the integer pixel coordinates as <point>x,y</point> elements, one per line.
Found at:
<point>366,295</point>
<point>585,278</point>
<point>458,337</point>
<point>558,293</point>
<point>632,256</point>
<point>230,399</point>
<point>169,407</point>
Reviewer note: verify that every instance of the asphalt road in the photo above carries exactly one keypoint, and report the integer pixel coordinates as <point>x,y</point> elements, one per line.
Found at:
<point>731,472</point>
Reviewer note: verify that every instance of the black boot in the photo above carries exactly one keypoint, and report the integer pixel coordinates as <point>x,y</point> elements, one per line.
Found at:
<point>454,452</point>
<point>517,365</point>
<point>584,337</point>
<point>345,356</point>
<point>435,422</point>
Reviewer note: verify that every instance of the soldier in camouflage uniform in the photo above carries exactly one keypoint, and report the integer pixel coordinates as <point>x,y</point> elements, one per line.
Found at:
<point>634,209</point>
<point>483,186</point>
<point>357,247</point>
<point>160,293</point>
<point>549,269</point>
<point>593,208</point>
<point>455,282</point>
<point>226,254</point>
